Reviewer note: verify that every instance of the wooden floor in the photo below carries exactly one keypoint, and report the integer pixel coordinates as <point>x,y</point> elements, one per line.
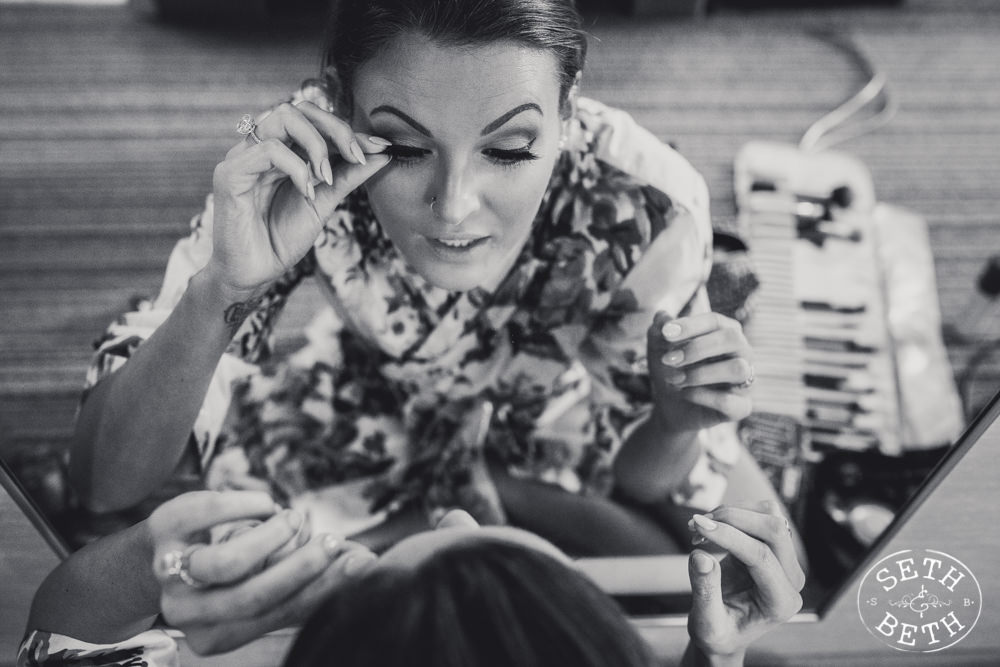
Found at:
<point>110,126</point>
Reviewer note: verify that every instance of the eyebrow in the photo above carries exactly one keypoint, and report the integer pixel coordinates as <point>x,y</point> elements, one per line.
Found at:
<point>491,127</point>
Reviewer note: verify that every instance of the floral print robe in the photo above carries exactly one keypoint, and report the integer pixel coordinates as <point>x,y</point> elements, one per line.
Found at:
<point>403,389</point>
<point>153,648</point>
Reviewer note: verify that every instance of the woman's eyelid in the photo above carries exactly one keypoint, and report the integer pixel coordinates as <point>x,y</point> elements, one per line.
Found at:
<point>519,147</point>
<point>513,142</point>
<point>403,140</point>
<point>505,153</point>
<point>520,140</point>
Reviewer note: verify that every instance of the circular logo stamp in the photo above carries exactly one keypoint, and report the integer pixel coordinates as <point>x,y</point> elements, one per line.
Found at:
<point>919,600</point>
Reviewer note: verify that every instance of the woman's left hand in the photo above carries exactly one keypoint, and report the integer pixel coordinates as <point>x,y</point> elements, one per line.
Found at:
<point>700,369</point>
<point>264,577</point>
<point>751,590</point>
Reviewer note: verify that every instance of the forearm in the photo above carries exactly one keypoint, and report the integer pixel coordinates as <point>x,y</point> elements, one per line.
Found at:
<point>654,460</point>
<point>103,593</point>
<point>134,425</point>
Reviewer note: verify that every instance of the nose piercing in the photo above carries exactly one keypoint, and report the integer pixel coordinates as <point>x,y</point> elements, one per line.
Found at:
<point>433,201</point>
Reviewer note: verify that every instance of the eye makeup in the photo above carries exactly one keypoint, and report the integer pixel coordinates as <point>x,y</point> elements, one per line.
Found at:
<point>511,157</point>
<point>404,154</point>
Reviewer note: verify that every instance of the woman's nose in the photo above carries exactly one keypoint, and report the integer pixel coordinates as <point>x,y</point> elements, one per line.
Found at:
<point>456,198</point>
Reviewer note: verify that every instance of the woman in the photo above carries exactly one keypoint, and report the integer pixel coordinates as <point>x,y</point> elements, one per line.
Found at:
<point>456,596</point>
<point>500,256</point>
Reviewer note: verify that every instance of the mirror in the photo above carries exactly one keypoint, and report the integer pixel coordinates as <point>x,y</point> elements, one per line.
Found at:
<point>114,124</point>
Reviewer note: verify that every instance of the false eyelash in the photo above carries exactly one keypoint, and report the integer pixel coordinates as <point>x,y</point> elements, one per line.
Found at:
<point>406,155</point>
<point>403,153</point>
<point>510,158</point>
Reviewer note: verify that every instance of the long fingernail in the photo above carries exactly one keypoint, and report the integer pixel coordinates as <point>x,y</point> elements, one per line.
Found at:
<point>357,563</point>
<point>671,331</point>
<point>357,152</point>
<point>310,191</point>
<point>673,358</point>
<point>324,167</point>
<point>330,544</point>
<point>676,378</point>
<point>704,522</point>
<point>379,141</point>
<point>698,539</point>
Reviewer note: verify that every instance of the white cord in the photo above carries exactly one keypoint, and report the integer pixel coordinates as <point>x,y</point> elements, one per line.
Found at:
<point>830,130</point>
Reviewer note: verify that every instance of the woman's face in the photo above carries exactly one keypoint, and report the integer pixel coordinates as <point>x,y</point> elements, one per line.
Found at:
<point>475,131</point>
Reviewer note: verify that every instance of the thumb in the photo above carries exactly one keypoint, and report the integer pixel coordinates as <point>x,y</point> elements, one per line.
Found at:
<point>348,176</point>
<point>708,613</point>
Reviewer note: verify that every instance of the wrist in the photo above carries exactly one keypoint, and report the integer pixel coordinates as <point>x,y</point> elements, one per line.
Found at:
<point>695,656</point>
<point>669,416</point>
<point>145,545</point>
<point>661,423</point>
<point>137,553</point>
<point>224,305</point>
<point>654,461</point>
<point>211,284</point>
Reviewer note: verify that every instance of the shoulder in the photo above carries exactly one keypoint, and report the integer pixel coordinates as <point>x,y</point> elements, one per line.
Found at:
<point>633,206</point>
<point>616,183</point>
<point>616,139</point>
<point>608,147</point>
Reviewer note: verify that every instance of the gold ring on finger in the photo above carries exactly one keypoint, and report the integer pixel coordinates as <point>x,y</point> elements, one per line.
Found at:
<point>750,378</point>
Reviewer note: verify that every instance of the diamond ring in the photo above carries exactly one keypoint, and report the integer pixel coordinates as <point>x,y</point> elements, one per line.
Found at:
<point>177,564</point>
<point>247,127</point>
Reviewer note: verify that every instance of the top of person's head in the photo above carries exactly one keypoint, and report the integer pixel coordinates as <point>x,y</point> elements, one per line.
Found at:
<point>359,29</point>
<point>476,603</point>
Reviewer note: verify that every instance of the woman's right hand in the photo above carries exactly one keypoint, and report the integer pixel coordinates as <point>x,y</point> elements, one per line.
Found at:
<point>751,590</point>
<point>253,247</point>
<point>263,578</point>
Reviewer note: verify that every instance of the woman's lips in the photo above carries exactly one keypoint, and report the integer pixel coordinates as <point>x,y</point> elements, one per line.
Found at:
<point>460,242</point>
<point>456,247</point>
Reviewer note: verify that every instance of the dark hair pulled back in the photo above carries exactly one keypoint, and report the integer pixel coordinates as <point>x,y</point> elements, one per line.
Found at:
<point>483,603</point>
<point>359,29</point>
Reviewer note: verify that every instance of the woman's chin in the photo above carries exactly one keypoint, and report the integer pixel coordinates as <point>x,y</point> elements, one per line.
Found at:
<point>460,269</point>
<point>454,279</point>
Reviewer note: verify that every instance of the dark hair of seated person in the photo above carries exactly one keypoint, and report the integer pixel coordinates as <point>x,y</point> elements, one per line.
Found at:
<point>479,603</point>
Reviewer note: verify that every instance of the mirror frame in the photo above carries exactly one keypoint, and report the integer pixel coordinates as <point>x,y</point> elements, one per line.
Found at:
<point>672,582</point>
